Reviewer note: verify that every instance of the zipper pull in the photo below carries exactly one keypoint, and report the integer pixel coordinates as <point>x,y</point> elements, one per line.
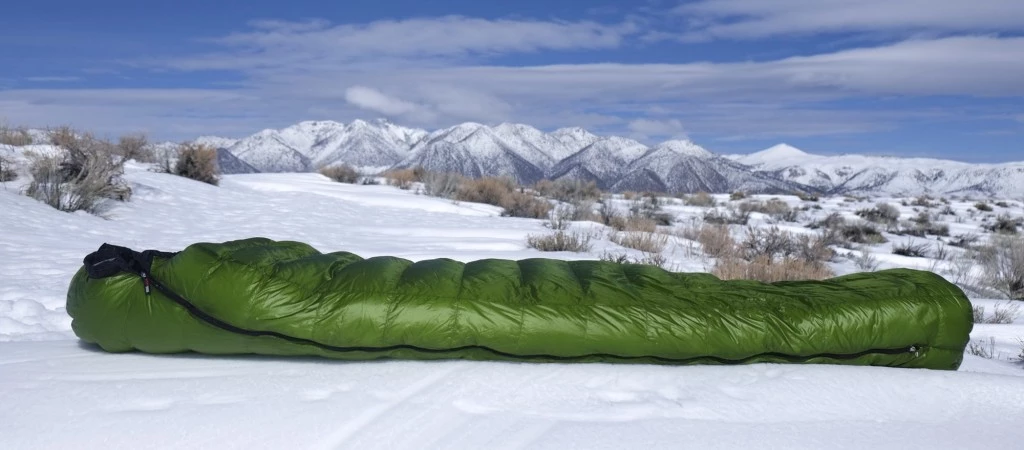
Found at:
<point>145,282</point>
<point>913,349</point>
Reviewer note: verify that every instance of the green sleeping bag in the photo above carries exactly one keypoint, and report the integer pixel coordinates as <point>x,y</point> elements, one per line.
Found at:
<point>258,296</point>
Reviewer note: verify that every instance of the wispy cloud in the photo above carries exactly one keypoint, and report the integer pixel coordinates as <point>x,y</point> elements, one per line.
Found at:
<point>317,42</point>
<point>745,19</point>
<point>52,79</point>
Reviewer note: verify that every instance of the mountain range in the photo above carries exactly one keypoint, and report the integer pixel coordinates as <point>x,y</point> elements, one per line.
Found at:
<point>615,163</point>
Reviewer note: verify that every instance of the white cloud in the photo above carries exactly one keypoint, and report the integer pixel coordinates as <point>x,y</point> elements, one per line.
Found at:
<point>644,129</point>
<point>376,101</point>
<point>744,19</point>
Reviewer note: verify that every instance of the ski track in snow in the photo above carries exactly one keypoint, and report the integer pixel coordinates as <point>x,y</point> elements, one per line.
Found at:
<point>58,393</point>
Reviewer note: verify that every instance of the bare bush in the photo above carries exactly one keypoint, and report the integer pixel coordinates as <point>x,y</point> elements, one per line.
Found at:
<point>198,162</point>
<point>135,146</point>
<point>911,249</point>
<point>766,270</point>
<point>738,195</point>
<point>982,349</point>
<point>1003,264</point>
<point>702,199</point>
<point>649,207</point>
<point>865,260</point>
<point>968,240</point>
<point>83,174</point>
<point>1002,315</point>
<point>732,217</point>
<point>560,241</point>
<point>774,208</point>
<point>883,213</point>
<point>342,173</point>
<point>982,206</point>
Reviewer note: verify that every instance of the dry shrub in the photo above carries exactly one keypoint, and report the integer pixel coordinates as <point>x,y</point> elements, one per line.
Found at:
<point>7,172</point>
<point>774,208</point>
<point>982,206</point>
<point>342,173</point>
<point>738,195</point>
<point>764,269</point>
<point>1003,315</point>
<point>732,217</point>
<point>441,184</point>
<point>84,172</point>
<point>702,199</point>
<point>489,190</point>
<point>14,136</point>
<point>135,146</point>
<point>402,178</point>
<point>911,249</point>
<point>649,207</point>
<point>1004,225</point>
<point>882,213</point>
<point>198,162</point>
<point>568,190</point>
<point>716,240</point>
<point>560,241</point>
<point>503,192</point>
<point>1003,264</point>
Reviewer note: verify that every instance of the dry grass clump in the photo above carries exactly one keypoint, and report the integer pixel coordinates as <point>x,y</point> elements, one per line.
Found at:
<point>16,136</point>
<point>403,178</point>
<point>342,173</point>
<point>766,270</point>
<point>198,162</point>
<point>561,241</point>
<point>644,241</point>
<point>702,199</point>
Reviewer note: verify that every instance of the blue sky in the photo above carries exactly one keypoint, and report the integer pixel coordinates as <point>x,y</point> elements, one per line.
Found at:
<point>939,78</point>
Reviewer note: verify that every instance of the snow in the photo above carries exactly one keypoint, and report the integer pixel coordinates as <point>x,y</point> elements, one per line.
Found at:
<point>58,393</point>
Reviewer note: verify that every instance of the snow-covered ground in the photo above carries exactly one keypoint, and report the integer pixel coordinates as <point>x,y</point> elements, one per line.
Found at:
<point>56,393</point>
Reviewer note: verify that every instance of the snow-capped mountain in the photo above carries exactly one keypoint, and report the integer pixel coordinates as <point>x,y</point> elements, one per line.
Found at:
<point>527,154</point>
<point>476,150</point>
<point>683,166</point>
<point>310,145</point>
<point>604,161</point>
<point>886,175</point>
